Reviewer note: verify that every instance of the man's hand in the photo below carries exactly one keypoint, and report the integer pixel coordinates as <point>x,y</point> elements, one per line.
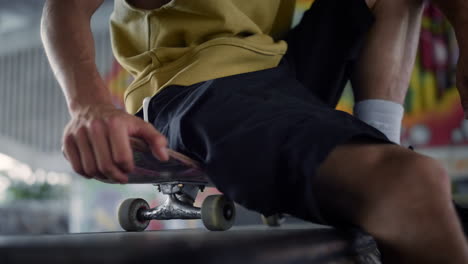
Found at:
<point>96,142</point>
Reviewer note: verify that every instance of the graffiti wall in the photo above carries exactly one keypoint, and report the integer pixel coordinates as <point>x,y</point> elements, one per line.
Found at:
<point>433,115</point>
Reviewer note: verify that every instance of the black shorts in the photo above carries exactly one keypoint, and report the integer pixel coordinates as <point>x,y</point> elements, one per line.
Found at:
<point>262,135</point>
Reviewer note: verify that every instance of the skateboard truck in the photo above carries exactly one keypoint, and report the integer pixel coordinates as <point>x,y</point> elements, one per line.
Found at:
<point>178,205</point>
<point>217,211</point>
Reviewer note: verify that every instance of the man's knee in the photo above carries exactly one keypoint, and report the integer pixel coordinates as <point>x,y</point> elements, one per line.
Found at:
<point>435,173</point>
<point>414,188</point>
<point>381,181</point>
<point>419,188</point>
<point>418,177</point>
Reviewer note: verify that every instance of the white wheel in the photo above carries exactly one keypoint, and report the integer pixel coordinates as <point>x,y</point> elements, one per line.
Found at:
<point>273,220</point>
<point>218,213</point>
<point>129,214</point>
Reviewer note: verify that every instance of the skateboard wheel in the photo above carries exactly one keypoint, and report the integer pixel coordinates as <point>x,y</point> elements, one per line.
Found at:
<point>273,220</point>
<point>129,212</point>
<point>218,213</point>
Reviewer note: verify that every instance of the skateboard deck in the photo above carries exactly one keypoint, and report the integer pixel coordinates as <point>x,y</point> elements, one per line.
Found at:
<point>179,168</point>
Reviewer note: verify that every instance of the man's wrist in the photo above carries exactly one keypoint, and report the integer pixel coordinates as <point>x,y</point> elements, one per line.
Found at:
<point>76,106</point>
<point>84,100</point>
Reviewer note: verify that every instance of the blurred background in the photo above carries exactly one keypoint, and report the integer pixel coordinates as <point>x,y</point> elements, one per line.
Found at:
<point>39,193</point>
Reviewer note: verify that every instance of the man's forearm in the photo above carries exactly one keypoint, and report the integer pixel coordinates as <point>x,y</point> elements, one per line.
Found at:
<point>69,44</point>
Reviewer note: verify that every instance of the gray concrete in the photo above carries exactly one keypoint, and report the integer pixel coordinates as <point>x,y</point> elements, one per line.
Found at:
<point>255,244</point>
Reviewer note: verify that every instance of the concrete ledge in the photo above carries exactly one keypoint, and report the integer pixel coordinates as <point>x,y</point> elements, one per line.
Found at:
<point>290,244</point>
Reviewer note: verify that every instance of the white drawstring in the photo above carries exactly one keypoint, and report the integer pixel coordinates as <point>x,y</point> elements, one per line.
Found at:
<point>146,103</point>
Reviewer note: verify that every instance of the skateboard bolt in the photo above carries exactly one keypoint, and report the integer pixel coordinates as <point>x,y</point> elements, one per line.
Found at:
<point>228,212</point>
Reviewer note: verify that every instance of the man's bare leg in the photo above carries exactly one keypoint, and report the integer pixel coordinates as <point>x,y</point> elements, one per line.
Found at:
<point>400,197</point>
<point>381,78</point>
<point>387,60</point>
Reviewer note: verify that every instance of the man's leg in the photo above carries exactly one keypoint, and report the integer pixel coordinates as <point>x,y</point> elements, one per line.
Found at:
<point>407,202</point>
<point>410,211</point>
<point>386,63</point>
<point>400,197</point>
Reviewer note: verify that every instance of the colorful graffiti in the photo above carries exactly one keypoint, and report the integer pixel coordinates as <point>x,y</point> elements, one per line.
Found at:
<point>117,80</point>
<point>433,115</point>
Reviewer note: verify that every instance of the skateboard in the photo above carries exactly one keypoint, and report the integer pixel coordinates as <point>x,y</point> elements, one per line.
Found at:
<point>180,179</point>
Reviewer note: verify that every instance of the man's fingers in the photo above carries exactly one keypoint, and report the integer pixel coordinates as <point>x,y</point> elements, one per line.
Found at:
<point>156,141</point>
<point>102,152</point>
<point>72,154</point>
<point>120,145</point>
<point>99,143</point>
<point>86,153</point>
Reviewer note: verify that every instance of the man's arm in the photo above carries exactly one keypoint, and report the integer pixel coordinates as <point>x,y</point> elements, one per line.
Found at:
<point>96,140</point>
<point>456,12</point>
<point>68,41</point>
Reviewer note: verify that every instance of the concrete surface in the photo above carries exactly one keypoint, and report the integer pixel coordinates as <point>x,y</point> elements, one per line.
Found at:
<point>253,244</point>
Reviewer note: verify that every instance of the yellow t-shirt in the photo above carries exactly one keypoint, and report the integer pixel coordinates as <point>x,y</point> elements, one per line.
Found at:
<point>189,41</point>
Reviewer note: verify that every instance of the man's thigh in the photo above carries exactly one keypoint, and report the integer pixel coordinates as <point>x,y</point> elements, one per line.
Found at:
<point>365,177</point>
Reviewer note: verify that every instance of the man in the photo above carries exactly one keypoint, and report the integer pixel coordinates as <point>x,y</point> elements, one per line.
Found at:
<point>257,110</point>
